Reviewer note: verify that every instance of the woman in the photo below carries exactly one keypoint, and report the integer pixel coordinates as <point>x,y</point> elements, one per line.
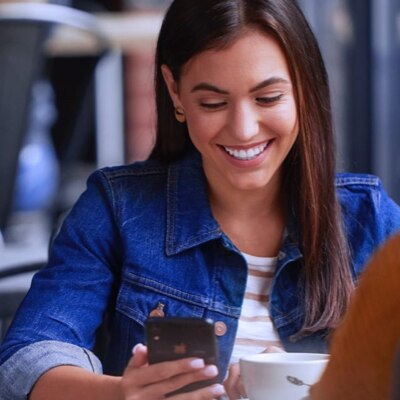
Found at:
<point>236,217</point>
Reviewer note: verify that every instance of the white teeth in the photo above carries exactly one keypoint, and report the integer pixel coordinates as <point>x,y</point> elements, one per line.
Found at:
<point>246,155</point>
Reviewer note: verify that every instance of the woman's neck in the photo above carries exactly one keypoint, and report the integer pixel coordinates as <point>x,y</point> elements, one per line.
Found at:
<point>253,219</point>
<point>244,205</point>
<point>237,202</point>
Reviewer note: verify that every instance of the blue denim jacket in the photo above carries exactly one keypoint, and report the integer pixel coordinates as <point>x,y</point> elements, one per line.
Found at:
<point>144,235</point>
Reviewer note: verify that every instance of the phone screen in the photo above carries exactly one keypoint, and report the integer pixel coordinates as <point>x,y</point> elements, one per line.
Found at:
<point>173,338</point>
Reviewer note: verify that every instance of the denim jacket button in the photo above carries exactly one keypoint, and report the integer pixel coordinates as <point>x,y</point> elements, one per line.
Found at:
<point>158,312</point>
<point>220,328</point>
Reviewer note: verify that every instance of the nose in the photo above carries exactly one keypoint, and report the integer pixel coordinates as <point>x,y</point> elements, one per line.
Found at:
<point>243,122</point>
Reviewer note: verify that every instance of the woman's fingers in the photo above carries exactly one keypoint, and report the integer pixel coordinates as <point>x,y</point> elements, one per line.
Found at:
<point>165,371</point>
<point>233,384</point>
<point>144,381</point>
<point>207,393</point>
<point>273,349</point>
<point>172,384</point>
<point>139,358</point>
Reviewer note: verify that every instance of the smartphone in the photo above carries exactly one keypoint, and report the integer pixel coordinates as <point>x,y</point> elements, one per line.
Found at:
<point>172,338</point>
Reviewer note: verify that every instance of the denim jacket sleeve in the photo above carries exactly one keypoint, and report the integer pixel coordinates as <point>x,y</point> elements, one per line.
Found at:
<point>21,371</point>
<point>68,298</point>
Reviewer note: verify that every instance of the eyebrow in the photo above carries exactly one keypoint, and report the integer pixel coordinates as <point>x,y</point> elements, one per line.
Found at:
<point>269,82</point>
<point>261,85</point>
<point>208,87</point>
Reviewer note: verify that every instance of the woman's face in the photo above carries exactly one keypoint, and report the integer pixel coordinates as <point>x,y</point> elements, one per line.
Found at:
<point>240,111</point>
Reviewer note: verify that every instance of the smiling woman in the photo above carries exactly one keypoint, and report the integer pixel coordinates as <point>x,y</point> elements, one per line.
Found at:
<point>237,216</point>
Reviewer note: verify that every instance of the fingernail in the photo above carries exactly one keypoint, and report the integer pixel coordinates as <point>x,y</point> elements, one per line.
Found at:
<point>197,363</point>
<point>217,390</point>
<point>210,370</point>
<point>135,347</point>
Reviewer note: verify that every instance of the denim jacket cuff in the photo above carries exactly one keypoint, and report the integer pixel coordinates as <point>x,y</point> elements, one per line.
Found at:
<point>22,370</point>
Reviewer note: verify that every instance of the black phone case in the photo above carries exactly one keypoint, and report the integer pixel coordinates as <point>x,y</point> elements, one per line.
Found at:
<point>174,338</point>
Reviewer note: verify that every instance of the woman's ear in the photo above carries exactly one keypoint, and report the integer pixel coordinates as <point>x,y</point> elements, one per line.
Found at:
<point>172,85</point>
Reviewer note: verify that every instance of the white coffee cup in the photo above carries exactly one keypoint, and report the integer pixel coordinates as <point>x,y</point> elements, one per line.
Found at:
<point>281,376</point>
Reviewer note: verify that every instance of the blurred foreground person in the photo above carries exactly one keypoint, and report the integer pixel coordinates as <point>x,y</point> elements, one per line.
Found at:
<point>364,348</point>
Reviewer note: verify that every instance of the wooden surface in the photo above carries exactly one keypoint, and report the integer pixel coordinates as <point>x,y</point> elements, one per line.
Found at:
<point>126,31</point>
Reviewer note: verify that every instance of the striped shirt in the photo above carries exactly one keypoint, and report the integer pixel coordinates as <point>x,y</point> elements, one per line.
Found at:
<point>255,330</point>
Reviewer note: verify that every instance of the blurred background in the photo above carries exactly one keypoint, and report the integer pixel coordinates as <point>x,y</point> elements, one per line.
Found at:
<point>76,94</point>
<point>360,41</point>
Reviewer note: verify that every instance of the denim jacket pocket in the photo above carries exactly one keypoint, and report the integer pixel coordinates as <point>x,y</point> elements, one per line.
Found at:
<point>139,296</point>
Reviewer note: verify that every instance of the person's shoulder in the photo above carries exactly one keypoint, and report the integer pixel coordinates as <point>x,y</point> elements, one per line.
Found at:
<point>352,186</point>
<point>369,214</point>
<point>364,196</point>
<point>189,160</point>
<point>151,172</point>
<point>116,179</point>
<point>357,190</point>
<point>351,181</point>
<point>136,169</point>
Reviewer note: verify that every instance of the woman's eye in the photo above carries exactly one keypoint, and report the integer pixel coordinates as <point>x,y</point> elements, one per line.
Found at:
<point>212,106</point>
<point>269,99</point>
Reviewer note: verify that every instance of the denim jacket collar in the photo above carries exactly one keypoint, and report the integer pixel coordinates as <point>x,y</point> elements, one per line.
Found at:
<point>191,226</point>
<point>188,227</point>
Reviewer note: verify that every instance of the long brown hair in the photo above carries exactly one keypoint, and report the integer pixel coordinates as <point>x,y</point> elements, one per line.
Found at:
<point>193,26</point>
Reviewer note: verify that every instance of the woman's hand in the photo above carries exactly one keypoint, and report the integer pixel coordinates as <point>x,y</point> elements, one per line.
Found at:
<point>234,385</point>
<point>143,381</point>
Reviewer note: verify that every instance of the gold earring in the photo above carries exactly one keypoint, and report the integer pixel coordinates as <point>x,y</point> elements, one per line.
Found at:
<point>180,115</point>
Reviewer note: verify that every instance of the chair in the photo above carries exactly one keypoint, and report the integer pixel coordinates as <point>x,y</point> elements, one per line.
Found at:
<point>26,30</point>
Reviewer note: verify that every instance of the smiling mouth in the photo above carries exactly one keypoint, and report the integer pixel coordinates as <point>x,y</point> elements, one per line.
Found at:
<point>247,154</point>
